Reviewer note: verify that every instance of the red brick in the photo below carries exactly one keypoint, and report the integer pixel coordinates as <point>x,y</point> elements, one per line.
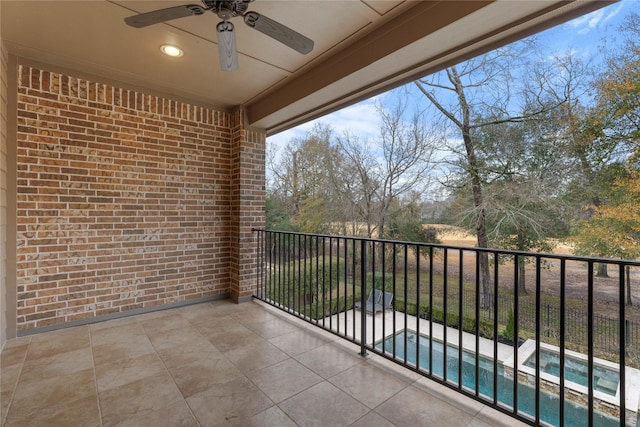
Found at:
<point>148,194</point>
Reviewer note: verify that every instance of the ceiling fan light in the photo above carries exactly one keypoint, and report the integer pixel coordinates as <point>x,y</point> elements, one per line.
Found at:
<point>172,51</point>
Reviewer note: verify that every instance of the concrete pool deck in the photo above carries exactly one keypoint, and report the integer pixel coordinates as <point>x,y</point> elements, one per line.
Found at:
<point>381,325</point>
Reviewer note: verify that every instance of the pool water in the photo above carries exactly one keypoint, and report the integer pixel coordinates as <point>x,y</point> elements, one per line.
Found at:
<point>574,415</point>
<point>605,380</point>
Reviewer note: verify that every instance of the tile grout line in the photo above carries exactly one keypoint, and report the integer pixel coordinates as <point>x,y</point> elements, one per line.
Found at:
<point>367,361</point>
<point>395,375</point>
<point>15,386</point>
<point>243,372</point>
<point>138,325</point>
<point>289,357</point>
<point>95,375</point>
<point>164,365</point>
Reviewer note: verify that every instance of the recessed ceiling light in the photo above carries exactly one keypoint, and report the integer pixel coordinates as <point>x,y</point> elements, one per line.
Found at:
<point>169,50</point>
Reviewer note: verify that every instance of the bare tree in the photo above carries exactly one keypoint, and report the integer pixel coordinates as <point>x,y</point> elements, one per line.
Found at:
<point>363,184</point>
<point>396,163</point>
<point>303,177</point>
<point>480,93</point>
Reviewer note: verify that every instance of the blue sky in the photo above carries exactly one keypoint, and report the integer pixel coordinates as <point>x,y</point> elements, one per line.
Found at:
<point>588,33</point>
<point>585,36</point>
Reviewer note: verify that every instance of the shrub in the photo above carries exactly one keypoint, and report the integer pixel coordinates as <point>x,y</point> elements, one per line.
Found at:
<point>453,319</point>
<point>333,306</point>
<point>380,281</point>
<point>305,280</point>
<point>509,329</point>
<point>313,272</point>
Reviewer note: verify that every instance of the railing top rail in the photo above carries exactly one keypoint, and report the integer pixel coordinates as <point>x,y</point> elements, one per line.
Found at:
<point>632,263</point>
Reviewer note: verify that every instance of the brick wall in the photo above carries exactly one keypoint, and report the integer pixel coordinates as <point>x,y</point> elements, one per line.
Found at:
<point>247,203</point>
<point>3,192</point>
<point>127,200</point>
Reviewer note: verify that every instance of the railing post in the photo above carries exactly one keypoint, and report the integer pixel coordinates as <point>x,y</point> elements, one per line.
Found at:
<point>363,297</point>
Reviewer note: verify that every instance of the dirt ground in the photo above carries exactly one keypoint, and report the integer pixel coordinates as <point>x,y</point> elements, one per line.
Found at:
<point>606,290</point>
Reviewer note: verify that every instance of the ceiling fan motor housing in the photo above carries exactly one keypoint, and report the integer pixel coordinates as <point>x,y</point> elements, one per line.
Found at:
<point>227,9</point>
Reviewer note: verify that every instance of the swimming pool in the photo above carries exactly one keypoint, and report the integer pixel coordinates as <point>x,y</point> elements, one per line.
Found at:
<point>574,415</point>
<point>605,380</point>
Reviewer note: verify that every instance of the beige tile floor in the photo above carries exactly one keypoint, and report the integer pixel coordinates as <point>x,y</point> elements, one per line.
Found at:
<point>212,364</point>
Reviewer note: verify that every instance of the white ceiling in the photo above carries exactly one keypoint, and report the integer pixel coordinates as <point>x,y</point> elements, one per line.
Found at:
<point>360,47</point>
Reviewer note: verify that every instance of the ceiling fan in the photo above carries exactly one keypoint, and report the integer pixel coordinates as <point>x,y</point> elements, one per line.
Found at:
<point>226,36</point>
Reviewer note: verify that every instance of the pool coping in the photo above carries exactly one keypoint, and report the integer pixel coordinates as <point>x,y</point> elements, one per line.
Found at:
<point>632,375</point>
<point>375,331</point>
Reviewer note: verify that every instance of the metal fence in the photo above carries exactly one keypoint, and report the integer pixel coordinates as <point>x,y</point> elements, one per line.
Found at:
<point>606,339</point>
<point>407,302</point>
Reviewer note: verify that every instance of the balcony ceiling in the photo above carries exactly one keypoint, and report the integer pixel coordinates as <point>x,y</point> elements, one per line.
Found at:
<point>362,47</point>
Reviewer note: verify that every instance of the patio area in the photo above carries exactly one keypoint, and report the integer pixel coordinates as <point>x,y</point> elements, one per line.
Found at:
<point>217,363</point>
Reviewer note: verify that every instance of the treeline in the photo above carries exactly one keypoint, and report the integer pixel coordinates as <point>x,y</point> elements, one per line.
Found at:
<point>526,148</point>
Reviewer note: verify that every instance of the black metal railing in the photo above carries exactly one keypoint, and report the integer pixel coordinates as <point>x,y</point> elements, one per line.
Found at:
<point>606,341</point>
<point>460,316</point>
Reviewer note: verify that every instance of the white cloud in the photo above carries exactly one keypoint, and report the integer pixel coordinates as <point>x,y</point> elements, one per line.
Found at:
<point>360,119</point>
<point>615,11</point>
<point>587,22</point>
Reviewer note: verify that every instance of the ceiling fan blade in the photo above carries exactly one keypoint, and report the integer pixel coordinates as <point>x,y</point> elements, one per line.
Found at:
<point>227,46</point>
<point>279,32</point>
<point>162,15</point>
